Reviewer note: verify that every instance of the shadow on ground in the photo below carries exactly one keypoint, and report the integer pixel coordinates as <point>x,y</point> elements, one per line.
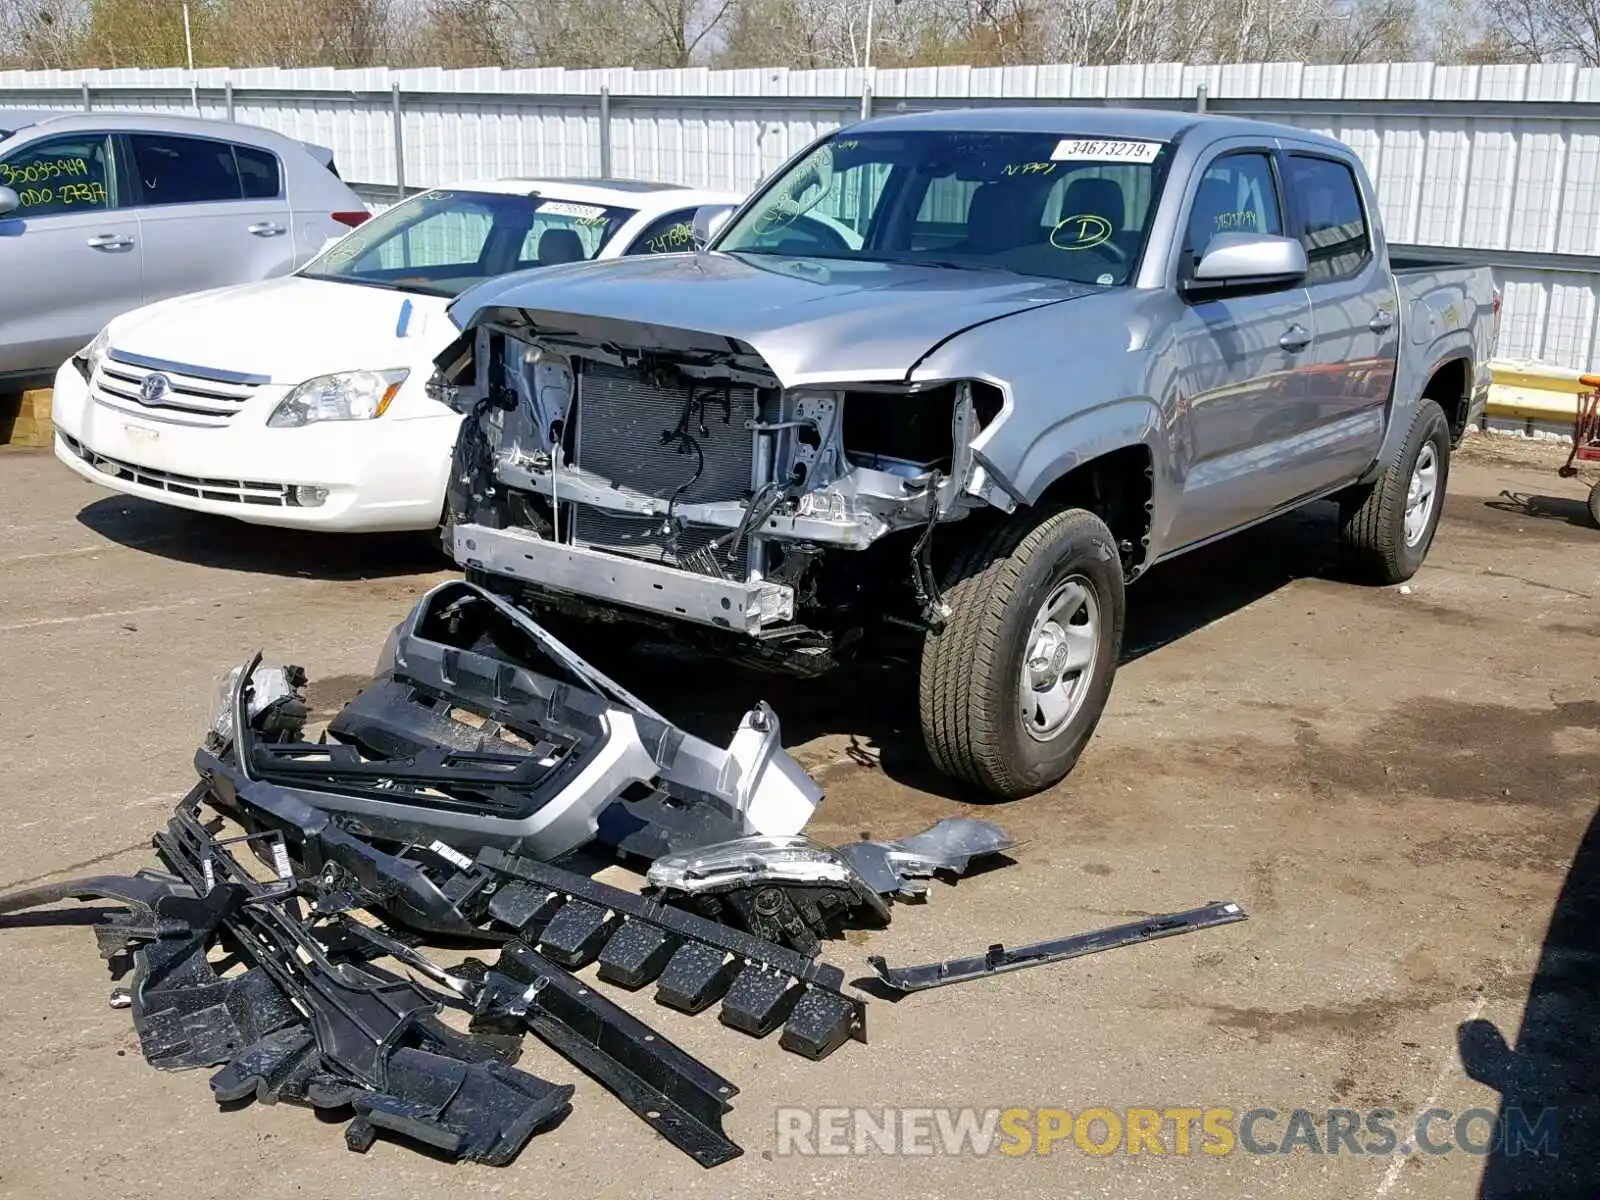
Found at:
<point>1547,1137</point>
<point>208,541</point>
<point>1549,508</point>
<point>874,700</point>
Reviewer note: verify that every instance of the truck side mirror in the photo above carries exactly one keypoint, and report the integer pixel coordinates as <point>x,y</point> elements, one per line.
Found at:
<point>9,201</point>
<point>708,222</point>
<point>1238,262</point>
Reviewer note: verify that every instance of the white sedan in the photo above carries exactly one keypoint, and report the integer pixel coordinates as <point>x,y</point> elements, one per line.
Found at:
<point>300,401</point>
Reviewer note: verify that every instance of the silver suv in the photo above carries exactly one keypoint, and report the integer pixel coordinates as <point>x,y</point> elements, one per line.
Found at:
<point>103,212</point>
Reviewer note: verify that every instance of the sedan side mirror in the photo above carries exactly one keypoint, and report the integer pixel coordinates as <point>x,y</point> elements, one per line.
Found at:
<point>1235,262</point>
<point>708,222</point>
<point>9,201</point>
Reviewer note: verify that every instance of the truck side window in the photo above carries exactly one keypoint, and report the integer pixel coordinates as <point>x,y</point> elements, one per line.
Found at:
<point>1333,226</point>
<point>67,174</point>
<point>1237,194</point>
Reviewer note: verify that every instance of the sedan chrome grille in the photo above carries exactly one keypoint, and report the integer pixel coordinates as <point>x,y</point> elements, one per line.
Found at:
<point>202,395</point>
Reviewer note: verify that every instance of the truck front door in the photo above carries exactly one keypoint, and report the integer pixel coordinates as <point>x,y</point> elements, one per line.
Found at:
<point>1241,362</point>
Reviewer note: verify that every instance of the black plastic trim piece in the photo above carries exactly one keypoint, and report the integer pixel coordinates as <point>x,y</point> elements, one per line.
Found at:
<point>998,959</point>
<point>720,957</point>
<point>679,1097</point>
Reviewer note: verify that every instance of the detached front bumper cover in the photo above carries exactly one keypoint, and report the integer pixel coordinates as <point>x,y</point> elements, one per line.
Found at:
<point>459,738</point>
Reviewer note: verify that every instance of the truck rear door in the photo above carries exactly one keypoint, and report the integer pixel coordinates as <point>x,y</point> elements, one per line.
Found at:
<point>1353,313</point>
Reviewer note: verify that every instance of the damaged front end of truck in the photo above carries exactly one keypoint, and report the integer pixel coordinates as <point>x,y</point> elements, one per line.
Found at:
<point>670,477</point>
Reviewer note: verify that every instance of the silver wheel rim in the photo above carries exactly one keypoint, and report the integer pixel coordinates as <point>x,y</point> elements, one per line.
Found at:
<point>1421,493</point>
<point>1059,660</point>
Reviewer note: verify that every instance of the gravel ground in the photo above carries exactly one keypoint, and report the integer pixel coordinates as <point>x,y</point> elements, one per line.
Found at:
<point>1400,786</point>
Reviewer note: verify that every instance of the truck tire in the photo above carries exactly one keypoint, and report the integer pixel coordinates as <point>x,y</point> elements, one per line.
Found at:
<point>1013,685</point>
<point>1594,505</point>
<point>1387,526</point>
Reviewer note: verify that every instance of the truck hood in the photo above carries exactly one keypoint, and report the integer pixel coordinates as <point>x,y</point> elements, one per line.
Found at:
<point>811,320</point>
<point>287,329</point>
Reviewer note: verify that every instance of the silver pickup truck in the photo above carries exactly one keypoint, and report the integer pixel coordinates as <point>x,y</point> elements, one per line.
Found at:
<point>965,373</point>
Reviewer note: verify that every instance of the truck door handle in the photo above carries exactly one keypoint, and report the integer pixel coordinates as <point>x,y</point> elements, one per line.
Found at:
<point>111,241</point>
<point>265,229</point>
<point>1295,339</point>
<point>1382,322</point>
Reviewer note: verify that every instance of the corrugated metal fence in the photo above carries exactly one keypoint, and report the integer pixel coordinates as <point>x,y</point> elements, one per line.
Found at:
<point>1497,164</point>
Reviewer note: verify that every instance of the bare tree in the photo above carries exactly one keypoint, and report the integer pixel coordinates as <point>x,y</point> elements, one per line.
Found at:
<point>794,33</point>
<point>1547,30</point>
<point>331,33</point>
<point>40,34</point>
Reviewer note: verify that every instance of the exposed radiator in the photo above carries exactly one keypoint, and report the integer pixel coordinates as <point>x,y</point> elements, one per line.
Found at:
<point>622,418</point>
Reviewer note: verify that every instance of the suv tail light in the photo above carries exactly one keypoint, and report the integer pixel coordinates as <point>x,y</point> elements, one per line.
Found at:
<point>351,219</point>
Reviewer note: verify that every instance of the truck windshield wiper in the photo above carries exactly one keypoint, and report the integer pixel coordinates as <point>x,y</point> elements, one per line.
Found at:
<point>912,260</point>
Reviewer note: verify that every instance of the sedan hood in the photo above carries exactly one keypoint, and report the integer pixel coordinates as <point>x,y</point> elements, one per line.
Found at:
<point>812,320</point>
<point>287,329</point>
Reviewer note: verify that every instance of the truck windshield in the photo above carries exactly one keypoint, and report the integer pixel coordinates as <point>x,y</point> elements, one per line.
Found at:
<point>1063,206</point>
<point>442,242</point>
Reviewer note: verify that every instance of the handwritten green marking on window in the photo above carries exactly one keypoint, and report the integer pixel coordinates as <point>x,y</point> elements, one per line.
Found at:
<point>672,238</point>
<point>43,171</point>
<point>1083,231</point>
<point>67,195</point>
<point>1029,168</point>
<point>1245,219</point>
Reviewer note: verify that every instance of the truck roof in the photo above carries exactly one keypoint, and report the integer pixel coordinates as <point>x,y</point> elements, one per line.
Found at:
<point>1156,123</point>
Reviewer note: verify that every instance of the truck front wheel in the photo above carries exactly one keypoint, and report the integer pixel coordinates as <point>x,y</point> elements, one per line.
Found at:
<point>1013,685</point>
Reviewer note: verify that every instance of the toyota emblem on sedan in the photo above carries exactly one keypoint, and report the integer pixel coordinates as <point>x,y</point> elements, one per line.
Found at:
<point>154,388</point>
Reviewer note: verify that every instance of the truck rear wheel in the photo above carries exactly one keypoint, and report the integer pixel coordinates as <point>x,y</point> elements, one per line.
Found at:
<point>1387,526</point>
<point>1014,684</point>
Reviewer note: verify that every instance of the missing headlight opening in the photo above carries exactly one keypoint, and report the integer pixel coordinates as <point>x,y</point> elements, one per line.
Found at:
<point>905,432</point>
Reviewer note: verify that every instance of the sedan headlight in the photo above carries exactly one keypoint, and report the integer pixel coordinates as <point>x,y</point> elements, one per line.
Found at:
<point>87,359</point>
<point>95,349</point>
<point>344,396</point>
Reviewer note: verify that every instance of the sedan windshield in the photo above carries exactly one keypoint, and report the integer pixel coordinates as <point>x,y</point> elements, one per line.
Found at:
<point>442,242</point>
<point>1058,205</point>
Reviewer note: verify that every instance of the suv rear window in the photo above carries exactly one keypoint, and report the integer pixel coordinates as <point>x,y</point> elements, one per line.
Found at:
<point>185,170</point>
<point>258,172</point>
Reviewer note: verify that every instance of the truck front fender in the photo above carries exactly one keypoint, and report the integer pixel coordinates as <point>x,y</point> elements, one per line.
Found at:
<point>1074,438</point>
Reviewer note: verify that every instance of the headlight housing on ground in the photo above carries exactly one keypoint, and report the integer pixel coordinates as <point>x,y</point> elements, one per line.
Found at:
<point>342,396</point>
<point>268,685</point>
<point>751,860</point>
